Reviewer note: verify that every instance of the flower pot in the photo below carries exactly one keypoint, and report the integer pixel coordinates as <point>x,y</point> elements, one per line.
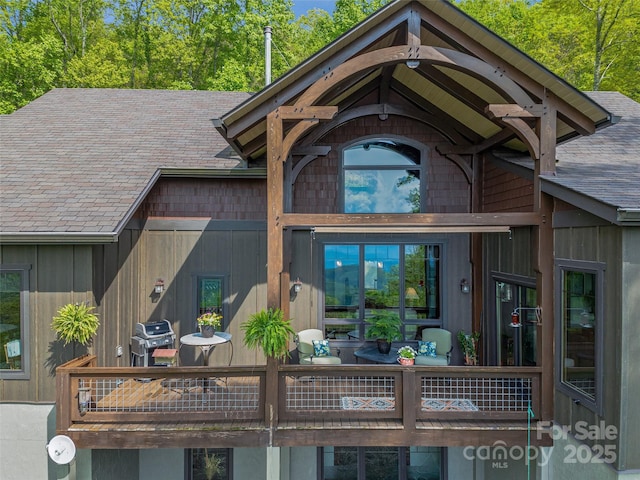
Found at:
<point>384,347</point>
<point>406,361</point>
<point>207,331</point>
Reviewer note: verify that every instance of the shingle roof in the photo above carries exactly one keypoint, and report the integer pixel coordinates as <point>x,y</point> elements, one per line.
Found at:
<point>603,167</point>
<point>79,160</point>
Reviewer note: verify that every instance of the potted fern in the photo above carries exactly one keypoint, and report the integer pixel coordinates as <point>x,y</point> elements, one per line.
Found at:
<point>270,331</point>
<point>384,328</point>
<point>76,323</point>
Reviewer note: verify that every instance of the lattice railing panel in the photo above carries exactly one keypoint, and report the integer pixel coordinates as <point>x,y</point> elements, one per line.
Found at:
<point>312,393</point>
<point>174,394</point>
<point>476,394</point>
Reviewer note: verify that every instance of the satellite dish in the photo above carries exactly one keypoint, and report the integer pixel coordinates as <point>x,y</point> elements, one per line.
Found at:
<point>61,449</point>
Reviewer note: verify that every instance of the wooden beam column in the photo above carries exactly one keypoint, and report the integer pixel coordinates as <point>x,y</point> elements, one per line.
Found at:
<point>275,182</point>
<point>543,261</point>
<point>278,148</point>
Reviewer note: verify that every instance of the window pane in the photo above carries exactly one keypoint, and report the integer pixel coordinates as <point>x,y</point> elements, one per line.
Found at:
<point>209,464</point>
<point>340,463</point>
<point>210,295</point>
<point>381,191</point>
<point>579,326</point>
<point>422,282</point>
<point>381,176</point>
<point>382,276</point>
<point>383,153</point>
<point>10,325</point>
<point>402,279</point>
<point>516,345</point>
<point>341,281</point>
<point>381,463</point>
<point>423,463</point>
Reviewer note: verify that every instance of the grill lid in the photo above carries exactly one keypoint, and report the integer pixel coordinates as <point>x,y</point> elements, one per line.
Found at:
<point>154,329</point>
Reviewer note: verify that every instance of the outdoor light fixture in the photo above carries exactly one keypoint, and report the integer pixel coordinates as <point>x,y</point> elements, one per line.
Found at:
<point>297,285</point>
<point>464,286</point>
<point>159,286</point>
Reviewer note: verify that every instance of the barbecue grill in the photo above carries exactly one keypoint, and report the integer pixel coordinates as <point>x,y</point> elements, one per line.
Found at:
<point>148,337</point>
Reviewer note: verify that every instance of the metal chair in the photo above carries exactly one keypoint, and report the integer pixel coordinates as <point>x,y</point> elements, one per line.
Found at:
<point>310,354</point>
<point>12,353</point>
<point>444,346</point>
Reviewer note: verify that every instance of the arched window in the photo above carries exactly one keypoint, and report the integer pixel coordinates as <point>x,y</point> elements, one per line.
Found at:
<point>382,176</point>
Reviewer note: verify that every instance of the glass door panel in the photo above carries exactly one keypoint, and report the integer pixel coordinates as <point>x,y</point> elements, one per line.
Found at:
<point>516,341</point>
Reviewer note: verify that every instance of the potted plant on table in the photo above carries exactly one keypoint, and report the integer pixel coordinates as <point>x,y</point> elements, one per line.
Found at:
<point>385,328</point>
<point>269,330</point>
<point>469,345</point>
<point>209,322</point>
<point>406,355</point>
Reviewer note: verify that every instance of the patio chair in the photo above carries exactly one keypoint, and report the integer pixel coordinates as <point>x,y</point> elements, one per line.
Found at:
<point>313,348</point>
<point>12,354</point>
<point>443,347</point>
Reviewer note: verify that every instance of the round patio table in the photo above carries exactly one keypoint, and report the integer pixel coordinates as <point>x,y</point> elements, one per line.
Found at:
<point>207,344</point>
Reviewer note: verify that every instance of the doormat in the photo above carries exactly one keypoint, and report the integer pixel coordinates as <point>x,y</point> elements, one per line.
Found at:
<point>448,405</point>
<point>368,403</point>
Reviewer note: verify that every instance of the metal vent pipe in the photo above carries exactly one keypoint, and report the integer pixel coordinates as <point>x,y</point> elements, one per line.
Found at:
<point>267,55</point>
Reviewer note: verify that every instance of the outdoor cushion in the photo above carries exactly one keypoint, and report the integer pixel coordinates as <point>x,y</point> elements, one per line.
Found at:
<point>321,348</point>
<point>427,348</point>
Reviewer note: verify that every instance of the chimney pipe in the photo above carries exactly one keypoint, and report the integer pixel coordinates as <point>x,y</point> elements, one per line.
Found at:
<point>267,55</point>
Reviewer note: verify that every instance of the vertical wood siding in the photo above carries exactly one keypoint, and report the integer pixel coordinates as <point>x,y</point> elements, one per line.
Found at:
<point>59,275</point>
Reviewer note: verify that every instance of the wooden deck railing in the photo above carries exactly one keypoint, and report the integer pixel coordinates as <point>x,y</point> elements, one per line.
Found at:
<point>288,393</point>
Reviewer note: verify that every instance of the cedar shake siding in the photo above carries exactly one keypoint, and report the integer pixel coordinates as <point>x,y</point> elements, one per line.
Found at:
<point>316,189</point>
<point>504,191</point>
<point>219,199</point>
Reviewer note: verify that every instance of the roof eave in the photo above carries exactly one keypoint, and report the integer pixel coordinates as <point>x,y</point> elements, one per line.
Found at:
<point>57,238</point>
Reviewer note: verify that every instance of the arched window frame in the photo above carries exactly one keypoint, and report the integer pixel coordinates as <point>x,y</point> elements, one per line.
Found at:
<point>421,167</point>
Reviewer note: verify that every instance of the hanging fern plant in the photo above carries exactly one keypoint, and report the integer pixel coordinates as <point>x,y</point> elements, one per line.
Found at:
<point>76,323</point>
<point>268,330</point>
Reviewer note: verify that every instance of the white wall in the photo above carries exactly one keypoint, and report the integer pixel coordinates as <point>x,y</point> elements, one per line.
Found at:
<point>573,460</point>
<point>161,463</point>
<point>25,430</point>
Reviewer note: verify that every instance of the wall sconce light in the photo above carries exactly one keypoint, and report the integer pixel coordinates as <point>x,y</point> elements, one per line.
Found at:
<point>297,285</point>
<point>464,286</point>
<point>159,286</point>
<point>84,398</point>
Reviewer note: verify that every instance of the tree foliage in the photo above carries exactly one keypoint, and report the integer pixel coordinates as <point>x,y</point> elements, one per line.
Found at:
<point>219,44</point>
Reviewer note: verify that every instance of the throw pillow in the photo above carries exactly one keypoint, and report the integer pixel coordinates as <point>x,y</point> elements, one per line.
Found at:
<point>321,348</point>
<point>427,348</point>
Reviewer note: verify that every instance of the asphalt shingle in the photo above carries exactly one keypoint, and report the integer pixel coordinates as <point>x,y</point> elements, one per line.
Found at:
<point>77,160</point>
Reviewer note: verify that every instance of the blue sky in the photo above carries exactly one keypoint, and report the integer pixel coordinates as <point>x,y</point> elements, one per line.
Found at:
<point>301,7</point>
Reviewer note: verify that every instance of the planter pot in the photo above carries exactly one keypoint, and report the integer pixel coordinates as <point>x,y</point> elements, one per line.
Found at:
<point>207,331</point>
<point>406,361</point>
<point>384,347</point>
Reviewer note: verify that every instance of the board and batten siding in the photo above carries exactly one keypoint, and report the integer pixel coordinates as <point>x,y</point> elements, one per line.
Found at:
<point>59,274</point>
<point>605,245</point>
<point>178,256</point>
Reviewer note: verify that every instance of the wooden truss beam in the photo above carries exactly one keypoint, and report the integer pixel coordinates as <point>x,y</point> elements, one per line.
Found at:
<point>397,220</point>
